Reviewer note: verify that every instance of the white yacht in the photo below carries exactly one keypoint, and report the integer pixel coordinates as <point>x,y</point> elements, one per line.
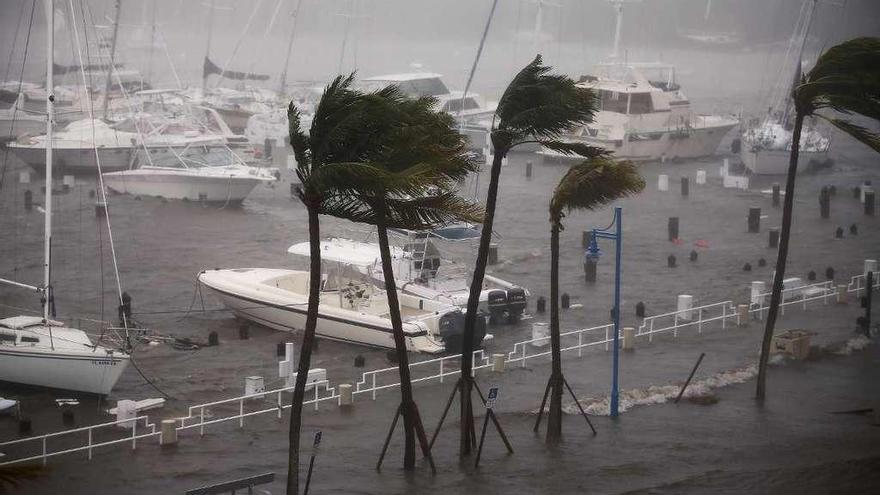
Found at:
<point>419,270</point>
<point>472,111</point>
<point>352,308</point>
<point>198,172</point>
<point>36,350</point>
<point>644,115</point>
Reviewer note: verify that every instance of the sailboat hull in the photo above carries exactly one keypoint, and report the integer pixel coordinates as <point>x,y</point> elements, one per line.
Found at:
<point>81,371</point>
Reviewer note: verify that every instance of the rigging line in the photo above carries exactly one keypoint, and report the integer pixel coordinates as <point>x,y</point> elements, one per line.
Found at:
<point>100,175</point>
<point>266,33</point>
<point>238,42</point>
<point>125,95</point>
<point>14,40</point>
<point>150,382</point>
<point>27,43</point>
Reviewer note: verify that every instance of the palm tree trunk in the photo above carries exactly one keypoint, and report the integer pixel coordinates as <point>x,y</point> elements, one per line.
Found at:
<point>781,258</point>
<point>554,417</point>
<point>408,406</point>
<point>467,346</point>
<point>305,354</point>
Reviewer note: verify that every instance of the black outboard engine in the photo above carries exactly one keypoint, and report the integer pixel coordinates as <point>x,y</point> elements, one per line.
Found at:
<point>451,330</point>
<point>496,303</point>
<point>516,303</point>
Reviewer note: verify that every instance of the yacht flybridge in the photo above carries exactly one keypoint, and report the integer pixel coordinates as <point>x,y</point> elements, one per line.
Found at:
<point>419,270</point>
<point>36,350</point>
<point>644,115</point>
<point>352,308</point>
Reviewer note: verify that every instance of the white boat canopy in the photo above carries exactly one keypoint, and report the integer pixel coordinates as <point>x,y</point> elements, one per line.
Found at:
<point>345,251</point>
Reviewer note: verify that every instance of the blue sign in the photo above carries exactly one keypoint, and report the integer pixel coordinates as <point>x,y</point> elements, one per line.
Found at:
<point>492,397</point>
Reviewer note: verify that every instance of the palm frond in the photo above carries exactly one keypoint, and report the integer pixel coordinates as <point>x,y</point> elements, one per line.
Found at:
<point>846,78</point>
<point>593,183</point>
<point>857,132</point>
<point>430,211</point>
<point>543,105</point>
<point>570,149</point>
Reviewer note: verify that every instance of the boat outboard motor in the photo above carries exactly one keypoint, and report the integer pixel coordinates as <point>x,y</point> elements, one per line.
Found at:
<point>451,327</point>
<point>516,303</point>
<point>496,302</point>
<point>480,329</point>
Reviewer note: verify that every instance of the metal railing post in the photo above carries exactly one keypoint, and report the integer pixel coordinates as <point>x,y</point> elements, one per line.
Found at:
<point>90,444</point>
<point>443,360</point>
<point>134,434</point>
<point>44,451</point>
<point>580,343</point>
<point>675,325</point>
<point>316,397</point>
<point>202,421</point>
<point>374,386</point>
<point>241,413</point>
<point>523,365</point>
<point>724,316</point>
<point>607,338</point>
<point>279,405</point>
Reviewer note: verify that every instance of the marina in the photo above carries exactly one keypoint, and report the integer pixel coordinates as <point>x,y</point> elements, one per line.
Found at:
<point>158,243</point>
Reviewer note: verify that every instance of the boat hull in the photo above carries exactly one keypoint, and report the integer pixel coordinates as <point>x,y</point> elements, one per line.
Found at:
<point>662,145</point>
<point>183,187</point>
<point>82,371</point>
<point>286,311</point>
<point>75,161</point>
<point>775,162</point>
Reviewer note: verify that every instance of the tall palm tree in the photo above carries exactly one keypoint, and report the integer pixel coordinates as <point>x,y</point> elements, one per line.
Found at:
<point>425,147</point>
<point>845,79</point>
<point>590,184</point>
<point>537,106</point>
<point>332,166</point>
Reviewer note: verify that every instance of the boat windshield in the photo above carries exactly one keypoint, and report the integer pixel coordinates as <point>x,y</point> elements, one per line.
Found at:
<point>194,157</point>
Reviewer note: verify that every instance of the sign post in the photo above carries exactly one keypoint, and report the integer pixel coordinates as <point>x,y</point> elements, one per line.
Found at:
<point>491,401</point>
<point>315,445</point>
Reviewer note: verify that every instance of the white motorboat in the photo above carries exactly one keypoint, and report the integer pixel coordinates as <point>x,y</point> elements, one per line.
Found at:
<point>48,354</point>
<point>352,308</point>
<point>419,270</point>
<point>472,111</point>
<point>197,173</point>
<point>36,350</point>
<point>644,115</point>
<point>765,146</point>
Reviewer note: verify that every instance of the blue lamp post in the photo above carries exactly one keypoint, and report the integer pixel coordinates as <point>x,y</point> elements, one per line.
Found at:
<point>615,232</point>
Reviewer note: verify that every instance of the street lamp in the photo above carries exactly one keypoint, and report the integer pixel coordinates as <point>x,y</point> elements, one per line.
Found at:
<point>615,232</point>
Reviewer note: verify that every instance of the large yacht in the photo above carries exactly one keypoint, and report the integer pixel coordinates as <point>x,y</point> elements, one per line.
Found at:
<point>644,115</point>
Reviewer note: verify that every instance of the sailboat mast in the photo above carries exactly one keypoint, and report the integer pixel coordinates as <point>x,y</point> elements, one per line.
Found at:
<point>619,7</point>
<point>50,120</point>
<point>289,48</point>
<point>112,59</point>
<point>208,44</point>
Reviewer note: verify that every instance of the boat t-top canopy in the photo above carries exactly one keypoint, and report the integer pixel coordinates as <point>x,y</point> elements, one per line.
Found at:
<point>346,251</point>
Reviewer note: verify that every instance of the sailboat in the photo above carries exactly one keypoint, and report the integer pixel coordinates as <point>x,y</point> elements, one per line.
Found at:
<point>765,147</point>
<point>40,351</point>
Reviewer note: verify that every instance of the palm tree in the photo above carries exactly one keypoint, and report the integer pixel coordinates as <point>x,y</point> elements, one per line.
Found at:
<point>423,146</point>
<point>845,79</point>
<point>332,167</point>
<point>536,107</point>
<point>590,184</point>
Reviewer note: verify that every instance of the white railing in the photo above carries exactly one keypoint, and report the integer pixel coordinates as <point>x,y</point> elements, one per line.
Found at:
<point>421,371</point>
<point>41,442</point>
<point>569,341</point>
<point>685,318</point>
<point>272,401</point>
<point>858,283</point>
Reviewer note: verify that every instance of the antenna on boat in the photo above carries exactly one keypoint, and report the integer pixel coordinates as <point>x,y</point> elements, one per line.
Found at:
<point>467,86</point>
<point>618,6</point>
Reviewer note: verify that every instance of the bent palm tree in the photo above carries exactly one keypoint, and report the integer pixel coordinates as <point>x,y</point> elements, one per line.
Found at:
<point>595,182</point>
<point>537,106</point>
<point>845,79</point>
<point>332,168</point>
<point>421,146</point>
